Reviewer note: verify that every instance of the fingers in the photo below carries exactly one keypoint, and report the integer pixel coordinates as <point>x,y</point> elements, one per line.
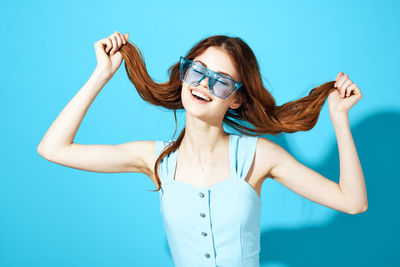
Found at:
<point>350,89</point>
<point>354,88</point>
<point>337,77</point>
<point>344,85</point>
<point>114,44</point>
<point>103,45</point>
<point>341,79</point>
<point>122,38</point>
<point>115,41</point>
<point>99,48</point>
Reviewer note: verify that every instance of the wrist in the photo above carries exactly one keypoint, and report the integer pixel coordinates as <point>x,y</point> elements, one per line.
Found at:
<point>101,74</point>
<point>340,118</point>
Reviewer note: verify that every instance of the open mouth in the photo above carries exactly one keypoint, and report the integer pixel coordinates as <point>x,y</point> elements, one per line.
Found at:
<point>200,97</point>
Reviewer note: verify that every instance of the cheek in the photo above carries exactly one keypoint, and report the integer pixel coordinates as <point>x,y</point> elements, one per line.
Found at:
<point>184,91</point>
<point>219,106</point>
<point>185,97</point>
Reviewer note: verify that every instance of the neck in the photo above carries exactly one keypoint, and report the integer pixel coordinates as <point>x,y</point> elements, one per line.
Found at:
<point>202,139</point>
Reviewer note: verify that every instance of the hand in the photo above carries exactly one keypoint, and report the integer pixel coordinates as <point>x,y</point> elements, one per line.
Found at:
<point>345,97</point>
<point>109,58</point>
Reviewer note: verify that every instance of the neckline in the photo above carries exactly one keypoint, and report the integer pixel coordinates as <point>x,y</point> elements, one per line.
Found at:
<point>231,170</point>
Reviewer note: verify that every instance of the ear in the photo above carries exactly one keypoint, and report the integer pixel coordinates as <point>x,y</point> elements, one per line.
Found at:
<point>237,101</point>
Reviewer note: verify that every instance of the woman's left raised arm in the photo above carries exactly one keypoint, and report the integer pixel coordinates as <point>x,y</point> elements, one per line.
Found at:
<point>351,182</point>
<point>349,195</point>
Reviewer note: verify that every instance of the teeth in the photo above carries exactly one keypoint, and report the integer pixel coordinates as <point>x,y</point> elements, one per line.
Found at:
<point>201,95</point>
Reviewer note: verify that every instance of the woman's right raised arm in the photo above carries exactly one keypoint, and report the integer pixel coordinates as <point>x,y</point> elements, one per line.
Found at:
<point>57,144</point>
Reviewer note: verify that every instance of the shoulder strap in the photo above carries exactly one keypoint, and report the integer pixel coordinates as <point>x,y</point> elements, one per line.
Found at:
<point>243,150</point>
<point>166,164</point>
<point>159,147</point>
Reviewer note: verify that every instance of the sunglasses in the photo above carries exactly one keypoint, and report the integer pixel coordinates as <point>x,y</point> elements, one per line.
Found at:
<point>220,85</point>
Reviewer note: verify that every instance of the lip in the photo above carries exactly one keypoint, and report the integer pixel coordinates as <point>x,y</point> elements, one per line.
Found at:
<point>197,100</point>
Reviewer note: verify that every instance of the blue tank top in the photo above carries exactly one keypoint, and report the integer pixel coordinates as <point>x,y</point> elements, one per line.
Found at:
<point>218,225</point>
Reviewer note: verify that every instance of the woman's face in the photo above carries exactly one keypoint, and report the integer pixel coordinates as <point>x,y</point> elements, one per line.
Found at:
<point>218,60</point>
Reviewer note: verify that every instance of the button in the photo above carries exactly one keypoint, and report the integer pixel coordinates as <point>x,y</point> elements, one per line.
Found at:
<point>202,215</point>
<point>207,255</point>
<point>204,233</point>
<point>201,194</point>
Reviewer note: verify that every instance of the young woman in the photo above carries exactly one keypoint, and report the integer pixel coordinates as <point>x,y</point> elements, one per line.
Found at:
<point>209,181</point>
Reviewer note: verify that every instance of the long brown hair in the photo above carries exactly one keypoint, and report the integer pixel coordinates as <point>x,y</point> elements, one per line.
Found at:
<point>258,106</point>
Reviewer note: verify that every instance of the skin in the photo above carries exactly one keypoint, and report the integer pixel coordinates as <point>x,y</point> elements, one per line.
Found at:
<point>204,133</point>
<point>204,147</point>
<point>204,129</point>
<point>203,157</point>
<point>349,195</point>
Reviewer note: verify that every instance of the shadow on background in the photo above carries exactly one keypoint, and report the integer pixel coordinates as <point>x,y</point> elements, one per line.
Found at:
<point>366,239</point>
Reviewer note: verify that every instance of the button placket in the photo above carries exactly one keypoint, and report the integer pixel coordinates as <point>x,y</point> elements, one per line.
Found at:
<point>206,226</point>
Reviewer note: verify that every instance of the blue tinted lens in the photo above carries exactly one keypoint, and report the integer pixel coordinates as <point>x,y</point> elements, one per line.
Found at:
<point>223,87</point>
<point>193,74</point>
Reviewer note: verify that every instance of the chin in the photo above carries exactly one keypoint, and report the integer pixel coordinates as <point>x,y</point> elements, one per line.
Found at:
<point>195,109</point>
<point>204,112</point>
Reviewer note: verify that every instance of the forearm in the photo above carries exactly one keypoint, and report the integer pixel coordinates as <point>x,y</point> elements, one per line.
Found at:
<point>352,183</point>
<point>63,130</point>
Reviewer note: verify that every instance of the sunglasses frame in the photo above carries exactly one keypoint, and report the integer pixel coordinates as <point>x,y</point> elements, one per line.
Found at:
<point>212,76</point>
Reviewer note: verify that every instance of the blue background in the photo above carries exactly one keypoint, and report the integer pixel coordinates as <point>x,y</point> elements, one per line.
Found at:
<point>53,215</point>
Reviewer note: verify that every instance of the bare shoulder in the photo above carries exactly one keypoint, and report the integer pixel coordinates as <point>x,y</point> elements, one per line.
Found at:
<point>267,156</point>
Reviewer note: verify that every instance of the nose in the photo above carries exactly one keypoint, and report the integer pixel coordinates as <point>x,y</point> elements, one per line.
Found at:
<point>205,82</point>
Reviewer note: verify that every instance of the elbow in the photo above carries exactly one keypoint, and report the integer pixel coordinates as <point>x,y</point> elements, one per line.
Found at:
<point>42,152</point>
<point>39,150</point>
<point>359,210</point>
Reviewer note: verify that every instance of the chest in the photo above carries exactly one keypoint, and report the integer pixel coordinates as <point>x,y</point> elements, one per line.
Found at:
<point>216,171</point>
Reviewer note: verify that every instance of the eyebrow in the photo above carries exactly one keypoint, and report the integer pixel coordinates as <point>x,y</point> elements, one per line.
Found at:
<point>205,65</point>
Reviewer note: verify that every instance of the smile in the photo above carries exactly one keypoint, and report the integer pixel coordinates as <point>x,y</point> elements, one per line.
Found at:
<point>199,97</point>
